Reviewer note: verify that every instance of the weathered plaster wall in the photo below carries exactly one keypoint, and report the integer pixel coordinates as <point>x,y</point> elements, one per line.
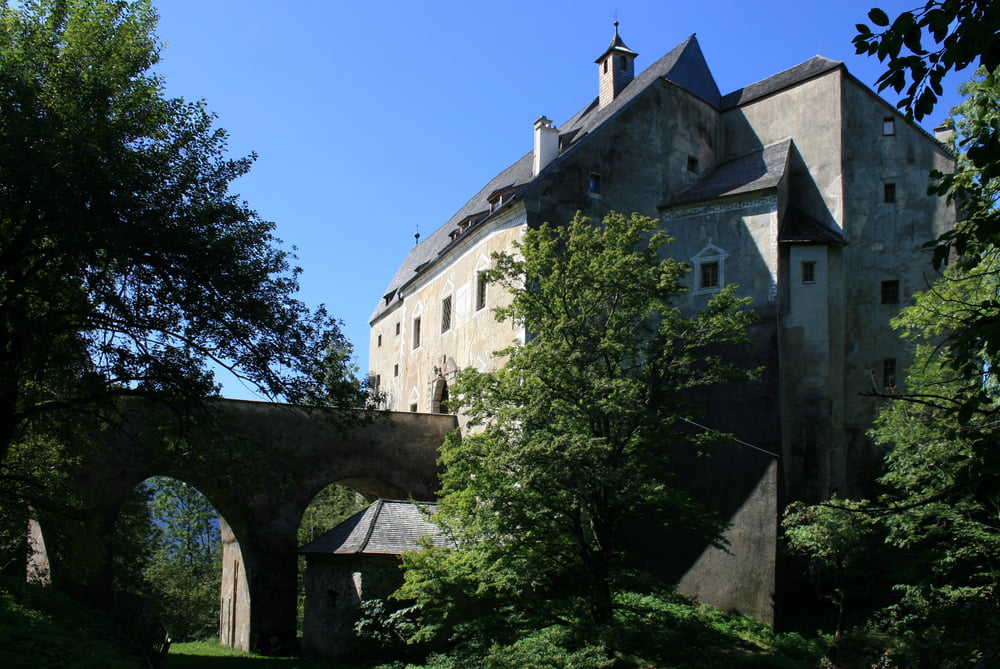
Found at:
<point>474,333</point>
<point>810,114</point>
<point>641,156</point>
<point>335,586</point>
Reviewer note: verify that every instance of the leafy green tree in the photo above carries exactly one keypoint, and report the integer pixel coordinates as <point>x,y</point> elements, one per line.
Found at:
<point>961,33</point>
<point>127,268</point>
<point>575,434</point>
<point>184,570</point>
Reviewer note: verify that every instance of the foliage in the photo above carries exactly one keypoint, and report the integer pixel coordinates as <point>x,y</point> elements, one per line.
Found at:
<point>184,571</point>
<point>574,435</point>
<point>45,629</point>
<point>331,506</point>
<point>126,266</point>
<point>963,32</point>
<point>941,487</point>
<point>648,630</point>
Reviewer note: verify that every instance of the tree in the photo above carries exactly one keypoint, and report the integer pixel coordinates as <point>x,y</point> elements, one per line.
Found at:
<point>126,266</point>
<point>940,492</point>
<point>184,570</point>
<point>575,434</point>
<point>964,32</point>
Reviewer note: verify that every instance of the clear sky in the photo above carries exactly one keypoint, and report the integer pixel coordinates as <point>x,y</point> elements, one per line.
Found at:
<point>372,120</point>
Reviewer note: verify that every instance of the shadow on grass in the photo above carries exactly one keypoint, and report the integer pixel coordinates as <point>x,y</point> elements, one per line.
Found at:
<point>210,655</point>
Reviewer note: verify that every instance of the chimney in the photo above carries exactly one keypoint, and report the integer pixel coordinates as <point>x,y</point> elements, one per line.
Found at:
<point>944,133</point>
<point>616,69</point>
<point>546,145</point>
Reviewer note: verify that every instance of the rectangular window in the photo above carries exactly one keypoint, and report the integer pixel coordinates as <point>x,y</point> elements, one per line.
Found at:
<point>888,126</point>
<point>889,373</point>
<point>397,329</point>
<point>809,272</point>
<point>416,333</point>
<point>380,341</point>
<point>890,291</point>
<point>889,193</point>
<point>480,291</point>
<point>692,164</point>
<point>395,369</point>
<point>709,275</point>
<point>413,407</point>
<point>374,382</point>
<point>595,183</point>
<point>446,314</point>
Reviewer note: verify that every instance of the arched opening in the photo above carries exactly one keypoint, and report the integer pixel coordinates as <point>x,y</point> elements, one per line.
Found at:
<point>439,399</point>
<point>331,506</point>
<point>167,549</point>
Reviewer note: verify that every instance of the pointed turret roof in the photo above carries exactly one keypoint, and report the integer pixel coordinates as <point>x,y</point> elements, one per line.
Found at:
<point>616,45</point>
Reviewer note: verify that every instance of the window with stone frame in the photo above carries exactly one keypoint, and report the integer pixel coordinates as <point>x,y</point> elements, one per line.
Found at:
<point>446,314</point>
<point>709,266</point>
<point>480,291</point>
<point>809,271</point>
<point>416,332</point>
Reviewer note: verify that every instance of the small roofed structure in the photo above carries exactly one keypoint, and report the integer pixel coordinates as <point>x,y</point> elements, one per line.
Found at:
<point>355,561</point>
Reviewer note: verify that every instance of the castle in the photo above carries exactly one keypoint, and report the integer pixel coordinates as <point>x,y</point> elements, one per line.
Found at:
<point>805,189</point>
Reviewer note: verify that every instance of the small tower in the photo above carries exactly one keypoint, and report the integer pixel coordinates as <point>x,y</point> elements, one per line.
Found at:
<point>616,69</point>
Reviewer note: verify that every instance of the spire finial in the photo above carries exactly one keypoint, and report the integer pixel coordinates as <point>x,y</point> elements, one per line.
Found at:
<point>416,235</point>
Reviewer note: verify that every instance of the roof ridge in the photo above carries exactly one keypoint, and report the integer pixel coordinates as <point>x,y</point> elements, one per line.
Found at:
<point>812,66</point>
<point>371,526</point>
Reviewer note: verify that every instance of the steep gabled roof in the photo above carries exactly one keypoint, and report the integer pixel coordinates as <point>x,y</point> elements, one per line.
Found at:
<point>813,67</point>
<point>387,527</point>
<point>755,170</point>
<point>684,66</point>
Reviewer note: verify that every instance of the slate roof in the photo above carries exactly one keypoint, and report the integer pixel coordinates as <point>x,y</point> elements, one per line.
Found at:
<point>799,227</point>
<point>684,66</point>
<point>755,170</point>
<point>387,527</point>
<point>813,67</point>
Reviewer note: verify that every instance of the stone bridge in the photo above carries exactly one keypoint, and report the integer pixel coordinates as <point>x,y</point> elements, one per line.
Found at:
<point>260,465</point>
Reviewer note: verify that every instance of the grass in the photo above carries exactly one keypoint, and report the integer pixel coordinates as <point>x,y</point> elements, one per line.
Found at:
<point>212,655</point>
<point>42,629</point>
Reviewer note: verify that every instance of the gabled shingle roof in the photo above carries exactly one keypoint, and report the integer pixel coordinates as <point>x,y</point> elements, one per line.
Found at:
<point>387,527</point>
<point>811,68</point>
<point>755,170</point>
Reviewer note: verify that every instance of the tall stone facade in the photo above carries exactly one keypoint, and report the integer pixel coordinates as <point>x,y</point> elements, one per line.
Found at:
<point>806,190</point>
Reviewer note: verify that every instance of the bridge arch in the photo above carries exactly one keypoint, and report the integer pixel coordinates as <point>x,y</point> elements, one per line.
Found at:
<point>260,464</point>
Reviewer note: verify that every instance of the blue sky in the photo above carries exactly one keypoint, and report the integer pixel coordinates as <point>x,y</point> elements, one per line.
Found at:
<point>373,120</point>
